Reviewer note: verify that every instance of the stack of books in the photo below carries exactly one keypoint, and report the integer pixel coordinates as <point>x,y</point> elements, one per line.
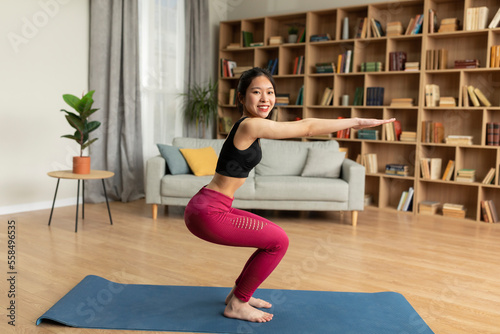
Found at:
<point>370,162</point>
<point>489,212</point>
<point>447,101</point>
<point>320,37</point>
<point>394,28</point>
<point>372,66</point>
<point>375,96</point>
<point>325,68</point>
<point>476,18</point>
<point>436,59</point>
<point>449,24</point>
<point>276,40</point>
<point>429,207</point>
<point>402,102</point>
<point>459,140</point>
<point>282,99</point>
<point>466,175</point>
<point>368,134</point>
<point>490,176</point>
<point>432,95</point>
<point>454,210</point>
<point>493,134</point>
<point>397,169</point>
<point>412,66</point>
<point>397,60</point>
<point>466,63</point>
<point>408,136</point>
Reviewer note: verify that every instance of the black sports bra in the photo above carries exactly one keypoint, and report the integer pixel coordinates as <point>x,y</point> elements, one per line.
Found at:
<point>234,162</point>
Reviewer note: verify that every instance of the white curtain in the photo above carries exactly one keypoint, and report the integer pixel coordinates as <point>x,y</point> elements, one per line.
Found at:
<point>162,43</point>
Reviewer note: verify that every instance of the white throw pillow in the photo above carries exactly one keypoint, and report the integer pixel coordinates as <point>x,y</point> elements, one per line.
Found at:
<point>323,163</point>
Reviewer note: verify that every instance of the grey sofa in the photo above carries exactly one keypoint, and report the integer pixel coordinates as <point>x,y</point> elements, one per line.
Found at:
<point>290,176</point>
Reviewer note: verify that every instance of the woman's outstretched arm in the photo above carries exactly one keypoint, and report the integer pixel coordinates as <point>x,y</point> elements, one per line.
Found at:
<point>264,128</point>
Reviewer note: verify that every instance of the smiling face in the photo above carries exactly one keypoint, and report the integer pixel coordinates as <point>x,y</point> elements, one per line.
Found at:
<point>259,98</point>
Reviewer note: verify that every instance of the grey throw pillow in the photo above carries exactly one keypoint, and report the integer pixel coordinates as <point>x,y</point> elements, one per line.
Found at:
<point>175,160</point>
<point>323,163</point>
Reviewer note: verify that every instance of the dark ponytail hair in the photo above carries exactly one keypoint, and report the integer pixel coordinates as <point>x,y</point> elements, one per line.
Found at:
<point>245,81</point>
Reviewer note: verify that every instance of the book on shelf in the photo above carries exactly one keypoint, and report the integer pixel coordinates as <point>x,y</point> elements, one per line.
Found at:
<point>432,95</point>
<point>476,18</point>
<point>459,140</point>
<point>447,101</point>
<point>375,96</point>
<point>489,177</point>
<point>436,59</point>
<point>346,133</point>
<point>472,96</point>
<point>247,38</point>
<point>372,66</point>
<point>449,24</point>
<point>429,207</point>
<point>408,136</point>
<point>448,171</point>
<point>466,63</point>
<point>300,96</point>
<point>361,27</point>
<point>432,132</point>
<point>327,97</point>
<point>433,21</point>
<point>282,99</point>
<point>376,28</point>
<point>238,70</point>
<point>495,20</point>
<point>369,160</point>
<point>254,44</point>
<point>233,46</point>
<point>272,66</point>
<point>454,210</point>
<point>393,131</point>
<point>495,56</point>
<point>232,97</point>
<point>489,211</point>
<point>397,60</point>
<point>394,28</point>
<point>397,169</point>
<point>276,40</point>
<point>298,65</point>
<point>358,96</point>
<point>492,134</point>
<point>466,175</point>
<point>481,97</point>
<point>325,68</point>
<point>415,25</point>
<point>406,200</point>
<point>412,66</point>
<point>430,168</point>
<point>227,67</point>
<point>320,37</point>
<point>344,62</point>
<point>370,134</point>
<point>225,124</point>
<point>402,102</point>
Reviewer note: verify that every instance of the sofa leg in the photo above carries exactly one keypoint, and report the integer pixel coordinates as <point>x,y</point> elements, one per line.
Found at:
<point>354,218</point>
<point>155,211</point>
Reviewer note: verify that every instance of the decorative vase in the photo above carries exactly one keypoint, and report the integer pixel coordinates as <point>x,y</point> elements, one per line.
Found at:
<point>292,38</point>
<point>81,165</point>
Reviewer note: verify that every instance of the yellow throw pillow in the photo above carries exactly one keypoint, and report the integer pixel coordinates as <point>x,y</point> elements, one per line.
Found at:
<point>202,161</point>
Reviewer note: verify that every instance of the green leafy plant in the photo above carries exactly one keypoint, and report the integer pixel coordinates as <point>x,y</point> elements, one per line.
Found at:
<point>201,103</point>
<point>79,120</point>
<point>293,30</point>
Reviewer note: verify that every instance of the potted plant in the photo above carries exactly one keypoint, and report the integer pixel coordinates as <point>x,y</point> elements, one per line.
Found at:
<point>79,121</point>
<point>292,34</point>
<point>201,104</point>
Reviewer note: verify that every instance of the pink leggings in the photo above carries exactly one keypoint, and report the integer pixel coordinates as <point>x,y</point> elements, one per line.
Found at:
<point>209,216</point>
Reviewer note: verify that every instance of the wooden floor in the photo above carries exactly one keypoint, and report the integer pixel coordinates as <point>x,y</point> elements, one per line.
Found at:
<point>448,270</point>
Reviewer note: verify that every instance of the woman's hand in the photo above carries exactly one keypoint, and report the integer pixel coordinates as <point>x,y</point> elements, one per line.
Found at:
<point>371,122</point>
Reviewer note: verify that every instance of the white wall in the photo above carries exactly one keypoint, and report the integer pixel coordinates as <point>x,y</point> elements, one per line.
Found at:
<point>45,46</point>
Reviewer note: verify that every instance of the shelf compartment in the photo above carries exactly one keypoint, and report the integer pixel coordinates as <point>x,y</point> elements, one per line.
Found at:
<point>354,14</point>
<point>289,85</point>
<point>449,85</point>
<point>488,193</point>
<point>476,43</point>
<point>242,57</point>
<point>395,11</point>
<point>229,32</point>
<point>286,114</point>
<point>316,87</point>
<point>407,117</point>
<point>288,53</point>
<point>369,51</point>
<point>456,122</point>
<point>327,52</point>
<point>450,193</point>
<point>391,189</point>
<point>486,81</point>
<point>412,47</point>
<point>480,159</point>
<point>346,85</point>
<point>372,187</point>
<point>278,25</point>
<point>225,85</point>
<point>265,54</point>
<point>396,85</point>
<point>256,27</point>
<point>391,153</point>
<point>448,8</point>
<point>445,153</point>
<point>322,22</point>
<point>353,148</point>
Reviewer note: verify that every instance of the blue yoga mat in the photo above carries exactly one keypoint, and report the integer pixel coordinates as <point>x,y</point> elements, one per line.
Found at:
<point>98,303</point>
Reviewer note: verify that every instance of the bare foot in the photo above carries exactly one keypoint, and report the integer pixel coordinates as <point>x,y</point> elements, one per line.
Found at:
<point>238,309</point>
<point>255,302</point>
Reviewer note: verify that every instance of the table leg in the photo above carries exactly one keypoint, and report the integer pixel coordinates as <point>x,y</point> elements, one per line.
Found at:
<point>77,196</point>
<point>106,195</point>
<point>83,199</point>
<point>54,201</point>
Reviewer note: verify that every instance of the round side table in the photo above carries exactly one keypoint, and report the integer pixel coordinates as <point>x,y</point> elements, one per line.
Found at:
<point>94,175</point>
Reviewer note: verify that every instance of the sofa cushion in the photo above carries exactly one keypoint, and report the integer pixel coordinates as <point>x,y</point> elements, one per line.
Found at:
<point>323,163</point>
<point>300,188</point>
<point>175,161</point>
<point>201,161</point>
<point>188,185</point>
<point>285,157</point>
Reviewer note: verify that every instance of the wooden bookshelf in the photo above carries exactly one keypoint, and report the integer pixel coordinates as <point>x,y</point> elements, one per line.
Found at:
<point>462,119</point>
